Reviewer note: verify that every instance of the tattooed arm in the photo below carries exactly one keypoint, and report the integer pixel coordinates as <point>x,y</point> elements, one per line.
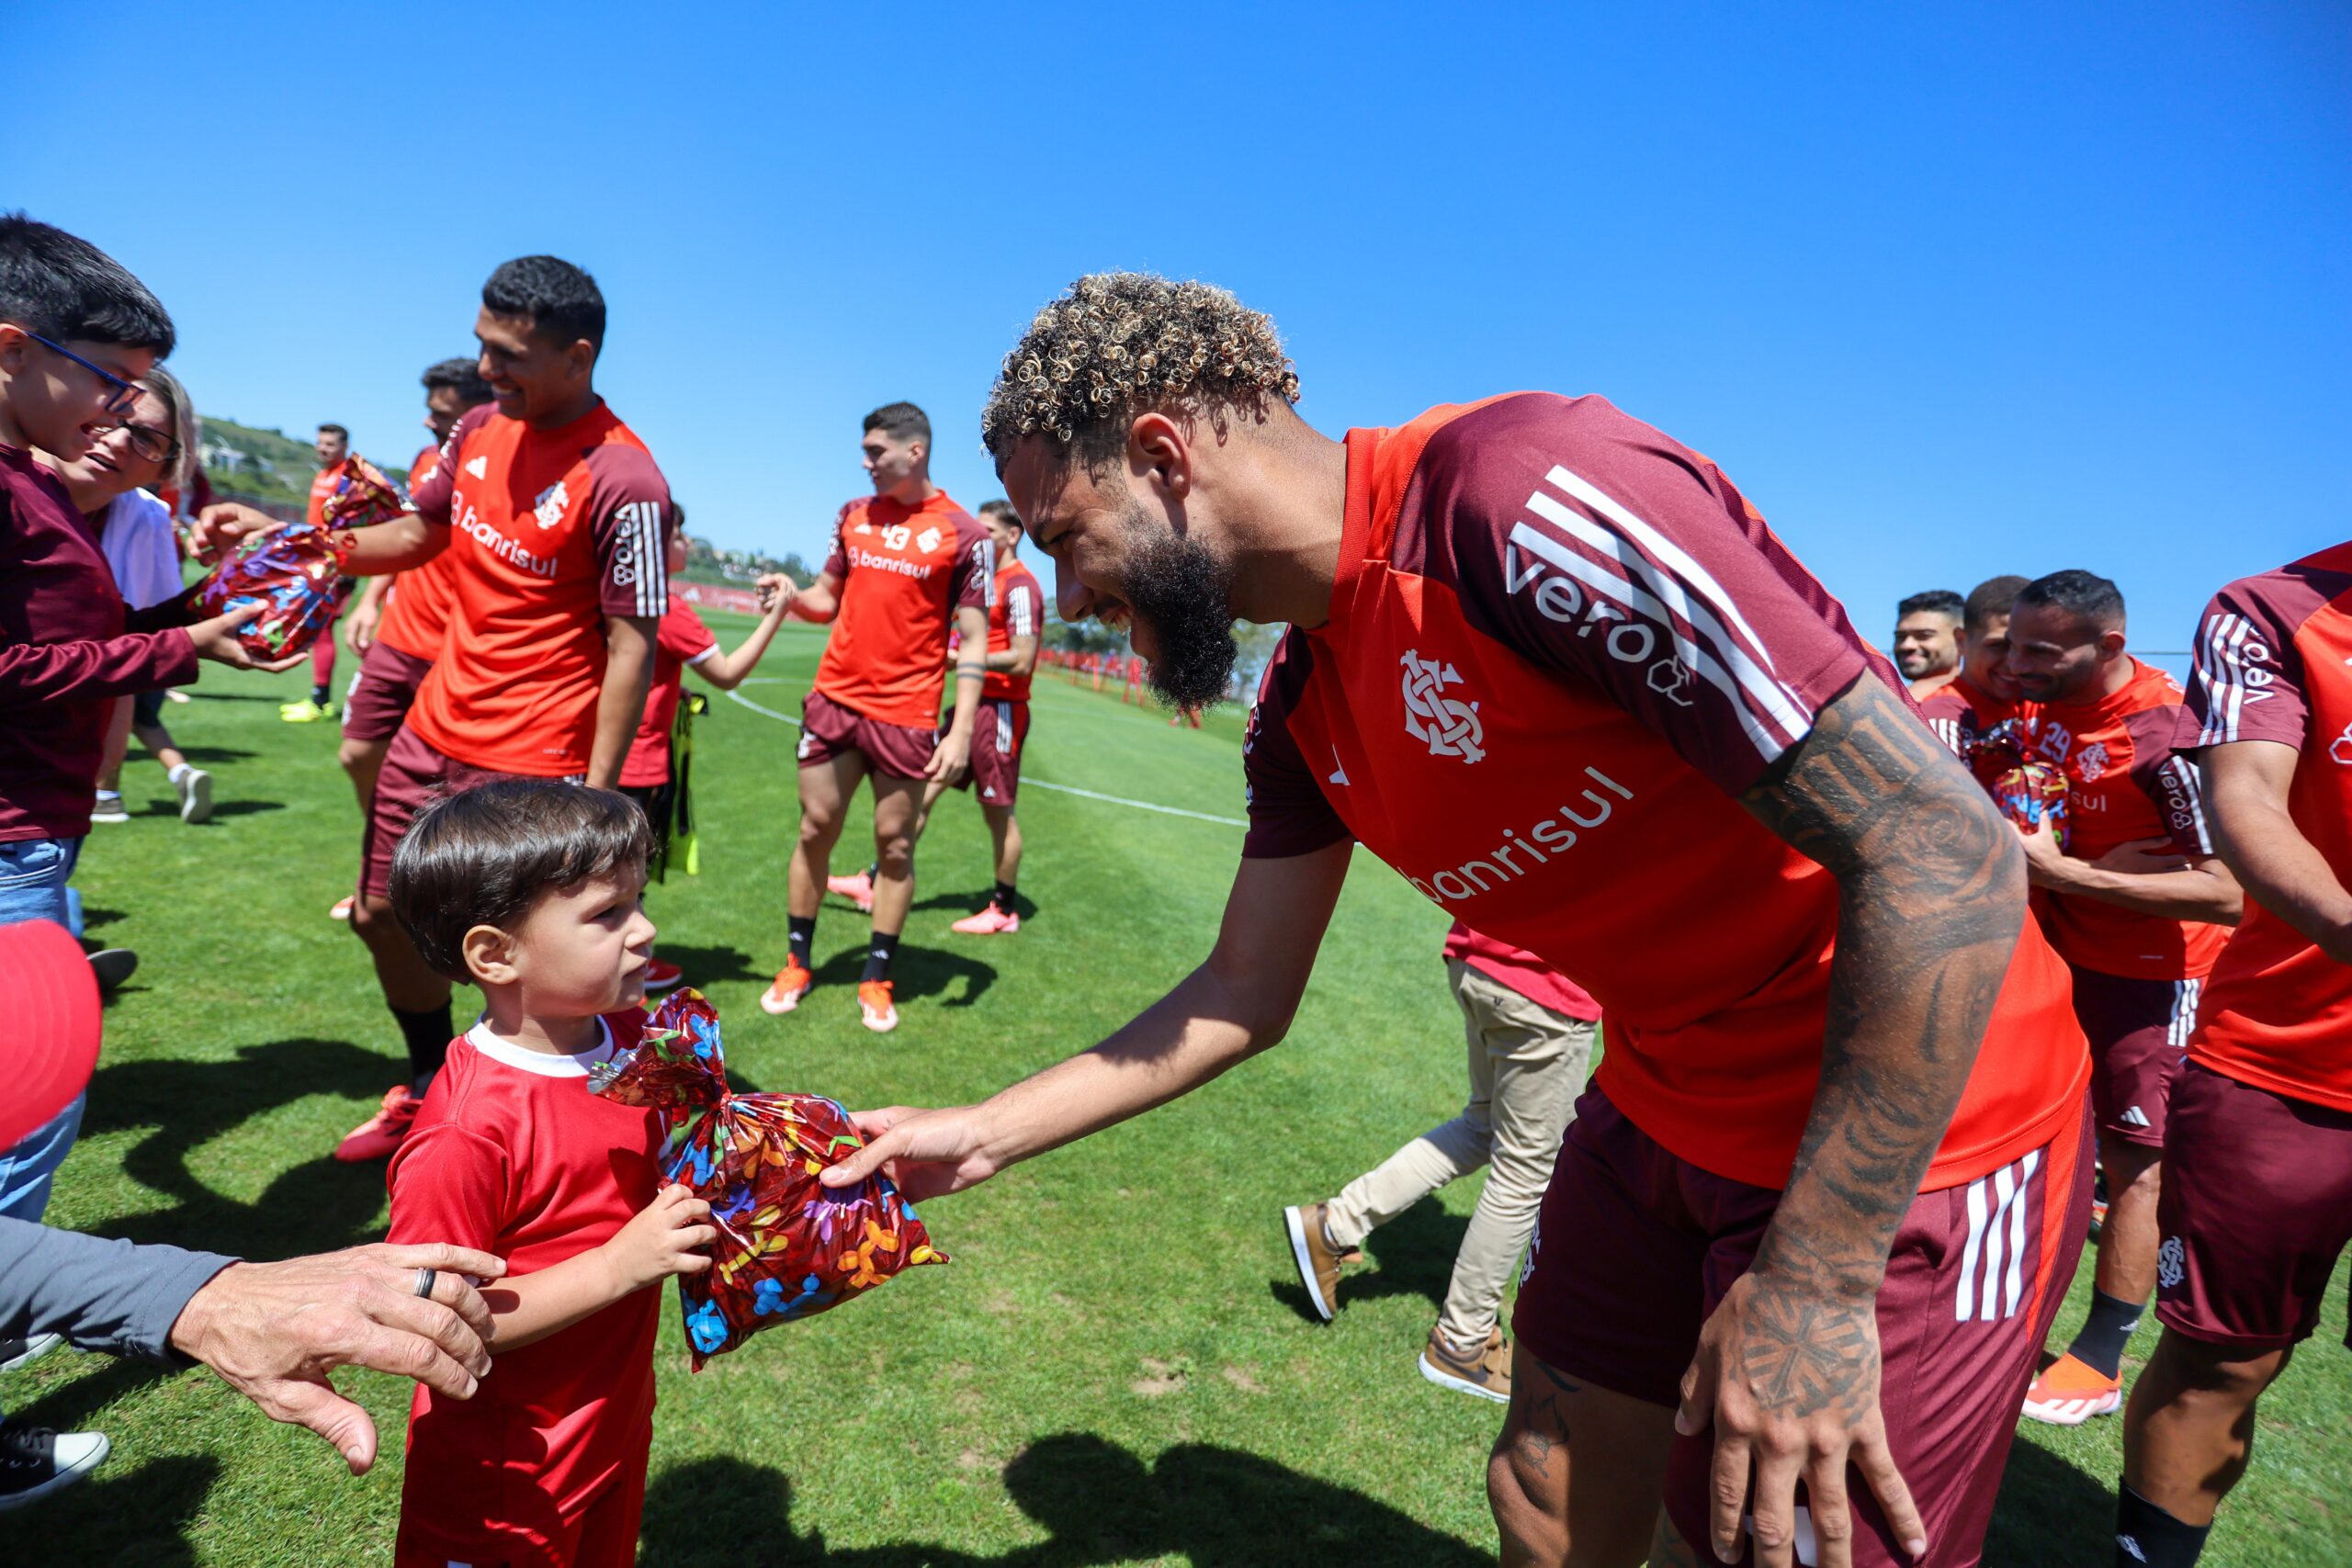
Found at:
<point>1931,894</point>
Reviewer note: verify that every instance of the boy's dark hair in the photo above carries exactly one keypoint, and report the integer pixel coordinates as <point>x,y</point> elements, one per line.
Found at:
<point>484,857</point>
<point>1002,508</point>
<point>1989,598</point>
<point>2083,594</point>
<point>337,431</point>
<point>675,523</point>
<point>465,375</point>
<point>900,422</point>
<point>68,289</point>
<point>1940,600</point>
<point>562,301</point>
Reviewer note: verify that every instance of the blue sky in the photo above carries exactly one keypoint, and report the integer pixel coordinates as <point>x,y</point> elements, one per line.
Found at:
<point>1996,288</point>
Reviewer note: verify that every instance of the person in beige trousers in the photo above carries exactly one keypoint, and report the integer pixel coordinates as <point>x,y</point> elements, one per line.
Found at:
<point>1530,1034</point>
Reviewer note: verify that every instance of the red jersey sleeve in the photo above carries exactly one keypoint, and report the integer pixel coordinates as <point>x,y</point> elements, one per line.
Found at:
<point>1288,815</point>
<point>627,501</point>
<point>430,495</point>
<point>2247,681</point>
<point>1606,552</point>
<point>682,634</point>
<point>2168,779</point>
<point>975,564</point>
<point>1025,608</point>
<point>837,563</point>
<point>448,1185</point>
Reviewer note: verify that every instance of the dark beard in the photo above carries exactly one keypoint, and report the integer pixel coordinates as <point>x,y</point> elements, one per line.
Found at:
<point>1185,595</point>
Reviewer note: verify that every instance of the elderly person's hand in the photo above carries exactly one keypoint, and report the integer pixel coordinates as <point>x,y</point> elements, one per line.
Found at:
<point>272,1331</point>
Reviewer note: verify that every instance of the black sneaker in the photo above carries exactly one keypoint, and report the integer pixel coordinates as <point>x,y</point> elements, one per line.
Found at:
<point>36,1461</point>
<point>113,965</point>
<point>15,1353</point>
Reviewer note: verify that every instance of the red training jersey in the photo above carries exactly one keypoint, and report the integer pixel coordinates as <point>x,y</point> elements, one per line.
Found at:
<point>323,485</point>
<point>1959,711</point>
<point>681,639</point>
<point>1017,609</point>
<point>556,529</point>
<point>2123,782</point>
<point>2274,662</point>
<point>904,571</point>
<point>512,1154</point>
<point>416,616</point>
<point>1561,645</point>
<point>1521,971</point>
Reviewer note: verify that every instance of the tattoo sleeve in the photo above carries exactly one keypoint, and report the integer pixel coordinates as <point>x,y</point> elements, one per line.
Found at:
<point>1931,894</point>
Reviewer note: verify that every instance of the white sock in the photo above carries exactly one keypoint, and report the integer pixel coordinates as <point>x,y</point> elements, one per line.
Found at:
<point>180,770</point>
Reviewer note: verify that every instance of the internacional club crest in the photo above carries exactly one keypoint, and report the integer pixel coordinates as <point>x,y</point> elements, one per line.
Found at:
<point>1449,726</point>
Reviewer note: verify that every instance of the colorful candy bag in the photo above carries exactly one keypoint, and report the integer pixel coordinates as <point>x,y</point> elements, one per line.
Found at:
<point>788,1247</point>
<point>2029,790</point>
<point>291,569</point>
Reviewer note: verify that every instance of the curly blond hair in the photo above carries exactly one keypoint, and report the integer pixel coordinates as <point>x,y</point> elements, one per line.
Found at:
<point>1118,342</point>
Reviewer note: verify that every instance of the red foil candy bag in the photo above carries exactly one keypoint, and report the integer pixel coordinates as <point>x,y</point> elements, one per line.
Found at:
<point>788,1247</point>
<point>291,571</point>
<point>2029,790</point>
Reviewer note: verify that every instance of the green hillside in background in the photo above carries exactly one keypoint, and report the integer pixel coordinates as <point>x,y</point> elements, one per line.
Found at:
<point>266,467</point>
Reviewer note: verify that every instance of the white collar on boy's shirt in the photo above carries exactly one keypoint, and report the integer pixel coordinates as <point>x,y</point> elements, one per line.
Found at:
<point>548,1064</point>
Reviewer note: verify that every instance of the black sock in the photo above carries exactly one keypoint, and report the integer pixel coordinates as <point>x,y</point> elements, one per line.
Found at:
<point>2100,1345</point>
<point>883,948</point>
<point>800,932</point>
<point>874,871</point>
<point>319,695</point>
<point>2147,1537</point>
<point>426,1034</point>
<point>1002,896</point>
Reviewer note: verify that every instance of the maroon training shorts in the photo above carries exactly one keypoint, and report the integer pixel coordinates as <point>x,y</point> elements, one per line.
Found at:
<point>997,739</point>
<point>894,750</point>
<point>1634,1247</point>
<point>2255,1209</point>
<point>415,777</point>
<point>381,690</point>
<point>2138,1032</point>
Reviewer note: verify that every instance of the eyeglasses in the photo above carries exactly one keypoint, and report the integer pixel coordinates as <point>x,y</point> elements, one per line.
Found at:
<point>149,441</point>
<point>125,392</point>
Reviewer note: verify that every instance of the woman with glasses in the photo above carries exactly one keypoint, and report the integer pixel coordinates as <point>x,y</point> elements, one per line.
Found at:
<point>152,447</point>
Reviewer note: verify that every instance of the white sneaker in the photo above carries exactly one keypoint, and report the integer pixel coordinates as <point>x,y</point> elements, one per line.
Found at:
<point>36,1461</point>
<point>15,1353</point>
<point>196,794</point>
<point>107,806</point>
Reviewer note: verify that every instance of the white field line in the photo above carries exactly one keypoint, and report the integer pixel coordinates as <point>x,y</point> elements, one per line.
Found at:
<point>1037,783</point>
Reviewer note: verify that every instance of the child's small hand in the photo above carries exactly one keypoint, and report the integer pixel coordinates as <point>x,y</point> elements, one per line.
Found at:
<point>665,1238</point>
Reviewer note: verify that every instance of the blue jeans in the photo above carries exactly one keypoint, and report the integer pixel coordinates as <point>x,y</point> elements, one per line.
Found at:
<point>32,887</point>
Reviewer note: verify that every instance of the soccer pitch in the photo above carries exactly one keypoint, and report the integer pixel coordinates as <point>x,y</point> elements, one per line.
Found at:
<point>1118,1367</point>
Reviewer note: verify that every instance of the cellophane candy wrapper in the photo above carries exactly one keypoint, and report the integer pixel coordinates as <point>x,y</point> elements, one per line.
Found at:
<point>788,1247</point>
<point>2030,791</point>
<point>291,571</point>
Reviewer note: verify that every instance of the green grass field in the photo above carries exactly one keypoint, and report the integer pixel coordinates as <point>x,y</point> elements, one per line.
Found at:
<point>1118,1367</point>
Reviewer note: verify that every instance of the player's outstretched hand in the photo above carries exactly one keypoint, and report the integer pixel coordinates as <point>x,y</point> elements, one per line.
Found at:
<point>926,1154</point>
<point>1790,1376</point>
<point>359,627</point>
<point>225,524</point>
<point>217,640</point>
<point>776,593</point>
<point>2143,857</point>
<point>273,1331</point>
<point>950,759</point>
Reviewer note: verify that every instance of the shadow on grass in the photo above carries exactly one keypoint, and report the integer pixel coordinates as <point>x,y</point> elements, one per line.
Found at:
<point>1213,1507</point>
<point>2049,1511</point>
<point>917,971</point>
<point>229,809</point>
<point>1412,1255</point>
<point>131,1516</point>
<point>705,967</point>
<point>92,916</point>
<point>315,1206</point>
<point>107,1380</point>
<point>203,754</point>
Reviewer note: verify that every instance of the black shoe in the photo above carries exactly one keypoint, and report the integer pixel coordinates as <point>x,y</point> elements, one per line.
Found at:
<point>113,965</point>
<point>36,1461</point>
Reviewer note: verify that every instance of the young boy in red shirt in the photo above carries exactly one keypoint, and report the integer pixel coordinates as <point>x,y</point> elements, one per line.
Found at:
<point>529,889</point>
